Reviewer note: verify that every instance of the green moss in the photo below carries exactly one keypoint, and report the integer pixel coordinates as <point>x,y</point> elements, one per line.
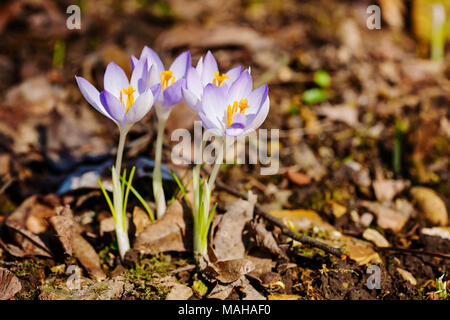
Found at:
<point>27,267</point>
<point>145,275</point>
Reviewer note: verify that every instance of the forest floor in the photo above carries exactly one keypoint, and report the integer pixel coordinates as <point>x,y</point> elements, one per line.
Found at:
<point>364,155</point>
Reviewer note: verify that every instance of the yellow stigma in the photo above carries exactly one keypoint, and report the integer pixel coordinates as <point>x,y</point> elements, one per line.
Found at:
<point>166,77</point>
<point>129,92</point>
<point>243,104</point>
<point>219,79</point>
<point>231,110</point>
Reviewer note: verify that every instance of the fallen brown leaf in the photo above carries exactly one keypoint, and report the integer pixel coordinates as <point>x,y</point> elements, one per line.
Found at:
<point>9,284</point>
<point>87,256</point>
<point>227,241</point>
<point>170,233</point>
<point>63,225</point>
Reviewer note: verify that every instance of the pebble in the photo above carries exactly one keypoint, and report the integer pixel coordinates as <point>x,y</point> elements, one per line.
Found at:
<point>443,233</point>
<point>432,206</point>
<point>406,275</point>
<point>375,237</point>
<point>366,219</point>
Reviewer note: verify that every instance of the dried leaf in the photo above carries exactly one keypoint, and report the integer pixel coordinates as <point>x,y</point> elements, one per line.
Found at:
<point>227,241</point>
<point>140,219</point>
<point>9,284</point>
<point>87,256</point>
<point>170,233</point>
<point>179,292</point>
<point>265,239</point>
<point>230,270</point>
<point>387,216</point>
<point>63,225</point>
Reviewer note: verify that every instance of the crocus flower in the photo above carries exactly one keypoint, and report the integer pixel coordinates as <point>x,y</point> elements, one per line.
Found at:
<point>124,102</point>
<point>171,79</point>
<point>205,73</point>
<point>235,110</point>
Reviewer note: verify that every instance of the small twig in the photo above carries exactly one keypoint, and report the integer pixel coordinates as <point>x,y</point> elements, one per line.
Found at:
<point>416,251</point>
<point>284,229</point>
<point>185,268</point>
<point>7,185</point>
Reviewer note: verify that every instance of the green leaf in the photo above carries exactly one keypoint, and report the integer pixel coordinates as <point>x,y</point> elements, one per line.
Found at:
<point>108,200</point>
<point>140,199</point>
<point>322,78</point>
<point>125,199</point>
<point>200,287</point>
<point>182,189</point>
<point>314,95</point>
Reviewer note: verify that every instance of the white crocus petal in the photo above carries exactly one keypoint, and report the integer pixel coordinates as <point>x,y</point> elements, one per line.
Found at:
<point>154,77</point>
<point>199,67</point>
<point>209,68</point>
<point>212,125</point>
<point>213,104</point>
<point>140,107</point>
<point>193,82</point>
<point>233,74</point>
<point>115,79</point>
<point>191,99</point>
<point>241,88</point>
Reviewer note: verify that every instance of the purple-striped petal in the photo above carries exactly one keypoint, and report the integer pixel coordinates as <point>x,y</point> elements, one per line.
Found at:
<point>115,79</point>
<point>134,61</point>
<point>148,53</point>
<point>113,106</point>
<point>140,76</point>
<point>180,65</point>
<point>238,126</point>
<point>256,98</point>
<point>254,121</point>
<point>156,91</point>
<point>172,94</point>
<point>91,94</point>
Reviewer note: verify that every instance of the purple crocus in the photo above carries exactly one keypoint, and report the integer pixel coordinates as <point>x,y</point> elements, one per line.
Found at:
<point>171,80</point>
<point>124,102</point>
<point>235,110</point>
<point>206,72</point>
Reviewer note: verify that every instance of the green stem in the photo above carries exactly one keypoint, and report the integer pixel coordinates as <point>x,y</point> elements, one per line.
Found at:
<point>158,190</point>
<point>217,165</point>
<point>121,230</point>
